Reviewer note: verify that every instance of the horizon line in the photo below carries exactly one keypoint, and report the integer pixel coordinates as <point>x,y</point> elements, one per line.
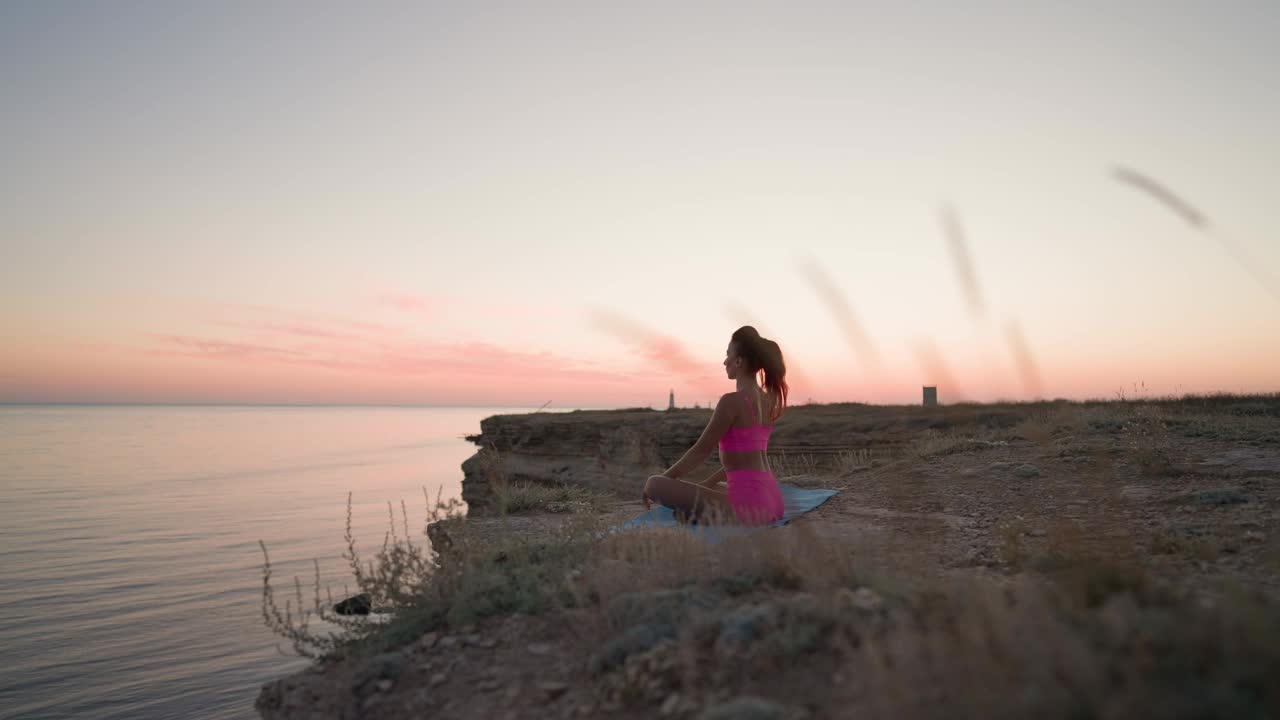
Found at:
<point>546,406</point>
<point>128,403</point>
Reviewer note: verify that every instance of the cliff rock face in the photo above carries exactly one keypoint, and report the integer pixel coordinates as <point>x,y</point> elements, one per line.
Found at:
<point>611,451</point>
<point>615,450</point>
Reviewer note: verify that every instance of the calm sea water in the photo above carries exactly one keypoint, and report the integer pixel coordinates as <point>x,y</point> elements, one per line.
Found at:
<point>130,571</point>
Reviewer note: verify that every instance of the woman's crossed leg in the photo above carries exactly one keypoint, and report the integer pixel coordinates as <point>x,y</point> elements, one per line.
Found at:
<point>689,500</point>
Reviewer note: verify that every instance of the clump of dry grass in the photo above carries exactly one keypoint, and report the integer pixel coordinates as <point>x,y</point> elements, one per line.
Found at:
<point>851,461</point>
<point>512,498</point>
<point>788,465</point>
<point>1146,439</point>
<point>1011,551</point>
<point>932,444</point>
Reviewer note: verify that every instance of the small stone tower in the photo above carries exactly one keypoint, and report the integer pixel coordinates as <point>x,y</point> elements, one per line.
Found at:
<point>671,401</point>
<point>930,395</point>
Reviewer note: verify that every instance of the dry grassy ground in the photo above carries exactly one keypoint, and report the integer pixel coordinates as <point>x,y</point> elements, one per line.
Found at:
<point>1044,560</point>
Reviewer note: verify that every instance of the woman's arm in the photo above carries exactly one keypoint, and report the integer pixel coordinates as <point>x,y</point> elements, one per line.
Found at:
<point>720,422</point>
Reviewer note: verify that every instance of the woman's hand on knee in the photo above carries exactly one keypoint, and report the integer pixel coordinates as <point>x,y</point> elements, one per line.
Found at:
<point>646,495</point>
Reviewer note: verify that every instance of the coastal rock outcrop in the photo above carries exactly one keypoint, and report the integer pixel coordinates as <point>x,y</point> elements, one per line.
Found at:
<point>614,450</point>
<point>611,451</point>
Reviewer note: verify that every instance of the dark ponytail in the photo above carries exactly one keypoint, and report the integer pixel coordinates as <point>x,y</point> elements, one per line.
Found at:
<point>764,355</point>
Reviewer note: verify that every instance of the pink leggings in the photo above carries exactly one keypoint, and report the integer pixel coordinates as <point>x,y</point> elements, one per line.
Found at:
<point>754,495</point>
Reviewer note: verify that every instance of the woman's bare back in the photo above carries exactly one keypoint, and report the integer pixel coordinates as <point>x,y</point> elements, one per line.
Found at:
<point>762,405</point>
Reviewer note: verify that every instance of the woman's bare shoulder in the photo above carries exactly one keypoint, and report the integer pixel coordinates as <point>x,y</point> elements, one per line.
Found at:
<point>728,400</point>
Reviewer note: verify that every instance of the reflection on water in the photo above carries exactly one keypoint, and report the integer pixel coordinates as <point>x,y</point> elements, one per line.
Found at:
<point>130,580</point>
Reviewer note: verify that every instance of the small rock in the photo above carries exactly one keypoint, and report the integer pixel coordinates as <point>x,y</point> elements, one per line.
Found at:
<point>633,641</point>
<point>744,625</point>
<point>864,598</point>
<point>382,668</point>
<point>670,705</point>
<point>428,641</point>
<point>745,707</point>
<point>467,629</point>
<point>438,679</point>
<point>556,506</point>
<point>1136,493</point>
<point>1254,536</point>
<point>540,648</point>
<point>449,641</point>
<point>552,689</point>
<point>1222,496</point>
<point>472,639</point>
<point>359,604</point>
<point>1027,470</point>
<point>1037,532</point>
<point>384,685</point>
<point>489,685</point>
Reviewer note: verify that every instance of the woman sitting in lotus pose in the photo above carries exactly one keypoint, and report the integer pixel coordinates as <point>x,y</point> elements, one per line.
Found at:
<point>744,490</point>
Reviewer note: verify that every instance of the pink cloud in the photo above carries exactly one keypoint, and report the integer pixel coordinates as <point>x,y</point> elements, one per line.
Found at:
<point>663,350</point>
<point>471,364</point>
<point>407,302</point>
<point>203,347</point>
<point>263,317</point>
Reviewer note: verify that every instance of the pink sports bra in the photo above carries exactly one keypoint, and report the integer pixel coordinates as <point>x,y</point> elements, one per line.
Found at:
<point>746,439</point>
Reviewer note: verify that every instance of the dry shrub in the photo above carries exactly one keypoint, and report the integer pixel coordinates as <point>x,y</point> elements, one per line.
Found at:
<point>491,468</point>
<point>980,650</point>
<point>659,598</point>
<point>1035,429</point>
<point>1094,641</point>
<point>655,559</point>
<point>1066,418</point>
<point>1011,551</point>
<point>392,581</point>
<point>1087,635</point>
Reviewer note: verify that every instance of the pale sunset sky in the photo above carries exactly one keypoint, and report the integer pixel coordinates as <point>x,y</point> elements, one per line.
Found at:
<point>508,204</point>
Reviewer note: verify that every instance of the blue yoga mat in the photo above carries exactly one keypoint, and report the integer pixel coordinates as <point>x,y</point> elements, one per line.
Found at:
<point>796,502</point>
